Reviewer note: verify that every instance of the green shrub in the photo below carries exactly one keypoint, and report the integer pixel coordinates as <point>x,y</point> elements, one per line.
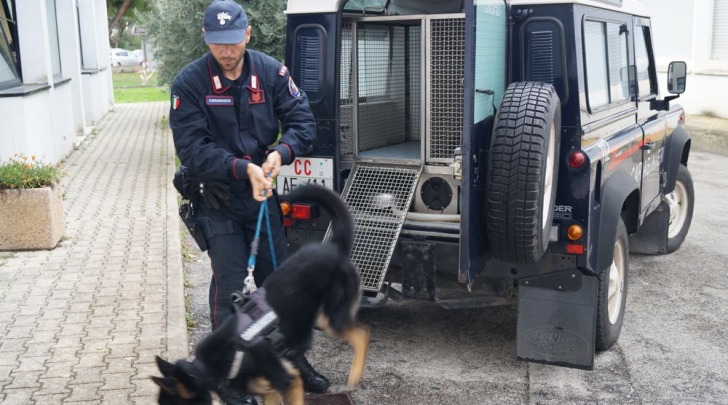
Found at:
<point>28,172</point>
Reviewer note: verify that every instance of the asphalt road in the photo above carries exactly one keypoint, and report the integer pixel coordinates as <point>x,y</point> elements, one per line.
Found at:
<point>673,348</point>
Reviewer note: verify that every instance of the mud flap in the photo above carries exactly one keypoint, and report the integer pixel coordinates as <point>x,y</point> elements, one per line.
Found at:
<point>652,235</point>
<point>557,319</point>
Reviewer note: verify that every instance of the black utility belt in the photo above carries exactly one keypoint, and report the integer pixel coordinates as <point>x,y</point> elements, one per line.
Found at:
<point>204,228</point>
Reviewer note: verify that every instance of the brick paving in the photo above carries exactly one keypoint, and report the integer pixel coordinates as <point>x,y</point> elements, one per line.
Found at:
<point>81,324</point>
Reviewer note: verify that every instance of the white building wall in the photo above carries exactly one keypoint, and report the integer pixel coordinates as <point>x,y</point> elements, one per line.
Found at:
<point>96,81</point>
<point>684,30</point>
<point>720,30</point>
<point>70,47</point>
<point>46,115</point>
<point>12,128</point>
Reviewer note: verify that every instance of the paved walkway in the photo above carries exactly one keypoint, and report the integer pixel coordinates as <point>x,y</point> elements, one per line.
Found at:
<point>81,324</point>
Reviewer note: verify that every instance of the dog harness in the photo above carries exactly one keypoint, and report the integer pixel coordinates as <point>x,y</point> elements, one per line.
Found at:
<point>256,329</point>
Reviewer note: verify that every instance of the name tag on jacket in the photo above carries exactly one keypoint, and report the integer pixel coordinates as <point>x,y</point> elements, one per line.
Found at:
<point>219,100</point>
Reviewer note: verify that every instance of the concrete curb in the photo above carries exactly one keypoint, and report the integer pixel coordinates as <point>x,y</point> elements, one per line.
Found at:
<point>708,134</point>
<point>177,343</point>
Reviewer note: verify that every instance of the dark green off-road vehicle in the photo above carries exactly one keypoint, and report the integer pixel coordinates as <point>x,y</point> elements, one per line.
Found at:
<point>495,152</point>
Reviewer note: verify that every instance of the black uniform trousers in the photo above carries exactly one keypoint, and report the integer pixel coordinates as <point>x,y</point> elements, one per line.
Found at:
<point>229,249</point>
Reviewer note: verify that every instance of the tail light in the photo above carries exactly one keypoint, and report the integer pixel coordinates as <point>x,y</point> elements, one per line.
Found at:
<point>574,232</point>
<point>575,249</point>
<point>577,159</point>
<point>302,211</point>
<point>286,208</point>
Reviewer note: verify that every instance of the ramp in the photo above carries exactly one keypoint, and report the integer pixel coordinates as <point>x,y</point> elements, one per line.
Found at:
<point>379,197</point>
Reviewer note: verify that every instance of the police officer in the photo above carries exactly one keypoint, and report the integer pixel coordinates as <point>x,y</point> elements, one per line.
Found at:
<point>227,108</point>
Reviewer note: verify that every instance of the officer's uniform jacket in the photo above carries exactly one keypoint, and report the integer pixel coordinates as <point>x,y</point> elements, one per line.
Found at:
<point>220,126</point>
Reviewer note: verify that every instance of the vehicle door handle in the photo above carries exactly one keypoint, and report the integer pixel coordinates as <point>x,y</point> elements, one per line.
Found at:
<point>485,91</point>
<point>648,146</point>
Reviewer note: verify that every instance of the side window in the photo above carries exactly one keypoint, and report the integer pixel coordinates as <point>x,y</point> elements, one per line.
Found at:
<point>645,85</point>
<point>607,66</point>
<point>596,64</point>
<point>9,66</point>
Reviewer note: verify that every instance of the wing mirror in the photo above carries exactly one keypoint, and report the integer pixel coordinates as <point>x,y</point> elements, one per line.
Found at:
<point>676,73</point>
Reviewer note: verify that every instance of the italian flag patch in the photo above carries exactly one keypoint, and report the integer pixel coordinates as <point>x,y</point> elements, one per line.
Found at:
<point>175,102</point>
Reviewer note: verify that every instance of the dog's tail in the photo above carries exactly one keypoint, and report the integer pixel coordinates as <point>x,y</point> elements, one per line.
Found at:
<point>341,221</point>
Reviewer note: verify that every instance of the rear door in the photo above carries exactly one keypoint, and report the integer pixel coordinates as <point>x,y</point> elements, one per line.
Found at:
<point>311,45</point>
<point>484,82</point>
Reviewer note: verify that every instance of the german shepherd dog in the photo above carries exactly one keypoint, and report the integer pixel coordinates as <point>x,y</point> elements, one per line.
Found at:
<point>316,286</point>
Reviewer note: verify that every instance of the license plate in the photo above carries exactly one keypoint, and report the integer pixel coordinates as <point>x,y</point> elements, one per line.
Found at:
<point>303,171</point>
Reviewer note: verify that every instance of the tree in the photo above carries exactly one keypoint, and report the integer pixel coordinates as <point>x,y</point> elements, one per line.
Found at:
<point>176,31</point>
<point>269,26</point>
<point>122,14</point>
<point>114,23</point>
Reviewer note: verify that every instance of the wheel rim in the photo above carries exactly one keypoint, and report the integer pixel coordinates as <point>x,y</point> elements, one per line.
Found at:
<point>548,183</point>
<point>616,283</point>
<point>678,203</point>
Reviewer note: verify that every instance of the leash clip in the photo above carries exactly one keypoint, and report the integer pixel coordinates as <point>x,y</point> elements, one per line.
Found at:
<point>249,286</point>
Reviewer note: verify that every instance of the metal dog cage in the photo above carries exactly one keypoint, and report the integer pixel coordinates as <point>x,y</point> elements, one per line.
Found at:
<point>403,98</point>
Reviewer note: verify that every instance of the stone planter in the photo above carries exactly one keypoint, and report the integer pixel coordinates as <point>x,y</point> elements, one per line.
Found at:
<point>31,219</point>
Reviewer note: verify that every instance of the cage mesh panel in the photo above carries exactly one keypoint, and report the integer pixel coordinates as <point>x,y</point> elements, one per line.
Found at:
<point>378,220</point>
<point>415,83</point>
<point>381,86</point>
<point>447,71</point>
<point>346,114</point>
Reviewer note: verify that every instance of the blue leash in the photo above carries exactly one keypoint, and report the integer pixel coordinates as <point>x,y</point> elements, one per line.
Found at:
<point>250,286</point>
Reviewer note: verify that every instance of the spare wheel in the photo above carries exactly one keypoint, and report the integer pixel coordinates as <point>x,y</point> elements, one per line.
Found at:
<point>523,166</point>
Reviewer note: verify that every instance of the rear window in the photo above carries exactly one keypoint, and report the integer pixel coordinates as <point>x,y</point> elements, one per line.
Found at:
<point>372,6</point>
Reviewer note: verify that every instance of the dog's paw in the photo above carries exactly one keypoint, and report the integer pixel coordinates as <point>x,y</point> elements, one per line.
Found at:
<point>358,338</point>
<point>355,377</point>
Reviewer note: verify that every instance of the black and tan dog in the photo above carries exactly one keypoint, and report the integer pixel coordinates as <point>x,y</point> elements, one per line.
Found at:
<point>317,285</point>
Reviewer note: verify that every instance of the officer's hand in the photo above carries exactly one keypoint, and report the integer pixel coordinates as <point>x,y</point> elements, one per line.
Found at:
<point>272,165</point>
<point>259,182</point>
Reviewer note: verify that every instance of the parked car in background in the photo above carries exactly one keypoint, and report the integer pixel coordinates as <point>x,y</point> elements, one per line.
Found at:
<point>122,57</point>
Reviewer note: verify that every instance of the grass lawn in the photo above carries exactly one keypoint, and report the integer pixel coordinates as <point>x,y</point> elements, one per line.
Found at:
<point>128,88</point>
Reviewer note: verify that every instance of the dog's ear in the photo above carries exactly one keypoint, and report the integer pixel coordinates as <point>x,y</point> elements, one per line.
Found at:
<point>168,369</point>
<point>168,385</point>
<point>174,387</point>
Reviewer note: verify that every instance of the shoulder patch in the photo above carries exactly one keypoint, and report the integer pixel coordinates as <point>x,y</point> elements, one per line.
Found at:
<point>295,92</point>
<point>282,71</point>
<point>175,102</point>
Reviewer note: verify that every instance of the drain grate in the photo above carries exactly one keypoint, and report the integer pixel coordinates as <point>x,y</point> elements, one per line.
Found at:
<point>341,398</point>
<point>379,198</point>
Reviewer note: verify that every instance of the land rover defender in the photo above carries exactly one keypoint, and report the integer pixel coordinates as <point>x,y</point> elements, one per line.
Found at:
<point>495,152</point>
